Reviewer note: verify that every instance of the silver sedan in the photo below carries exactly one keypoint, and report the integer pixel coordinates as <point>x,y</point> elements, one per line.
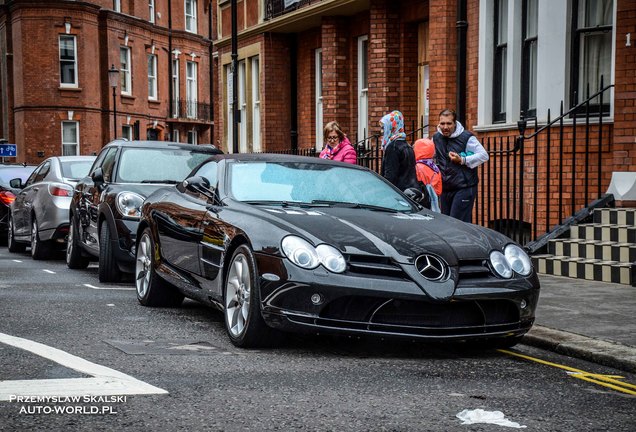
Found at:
<point>39,216</point>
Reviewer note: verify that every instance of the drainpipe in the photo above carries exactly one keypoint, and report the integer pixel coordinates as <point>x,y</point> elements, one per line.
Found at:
<point>170,71</point>
<point>211,73</point>
<point>235,111</point>
<point>461,25</point>
<point>293,70</point>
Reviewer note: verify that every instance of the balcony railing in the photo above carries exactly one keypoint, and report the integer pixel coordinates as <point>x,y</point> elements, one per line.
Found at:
<point>276,8</point>
<point>191,110</point>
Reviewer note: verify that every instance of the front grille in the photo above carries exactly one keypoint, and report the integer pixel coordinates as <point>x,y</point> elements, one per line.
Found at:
<point>418,317</point>
<point>374,265</point>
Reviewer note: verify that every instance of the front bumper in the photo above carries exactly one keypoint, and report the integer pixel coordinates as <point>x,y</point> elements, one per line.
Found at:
<point>393,305</point>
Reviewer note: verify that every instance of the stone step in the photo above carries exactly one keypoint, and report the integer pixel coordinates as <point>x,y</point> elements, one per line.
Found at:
<point>592,249</point>
<point>615,216</point>
<point>603,232</point>
<point>589,269</point>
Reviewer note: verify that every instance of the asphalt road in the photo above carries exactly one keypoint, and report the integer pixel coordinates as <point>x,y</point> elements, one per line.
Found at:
<point>198,381</point>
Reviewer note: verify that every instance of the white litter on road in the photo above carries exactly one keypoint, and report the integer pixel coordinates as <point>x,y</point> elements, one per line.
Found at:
<point>48,271</point>
<point>481,416</point>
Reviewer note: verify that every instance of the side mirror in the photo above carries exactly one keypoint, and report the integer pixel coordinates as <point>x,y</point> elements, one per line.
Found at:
<point>198,184</point>
<point>414,194</point>
<point>16,183</point>
<point>98,178</point>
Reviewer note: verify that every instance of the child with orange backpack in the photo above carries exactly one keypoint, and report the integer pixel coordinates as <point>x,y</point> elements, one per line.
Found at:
<point>427,171</point>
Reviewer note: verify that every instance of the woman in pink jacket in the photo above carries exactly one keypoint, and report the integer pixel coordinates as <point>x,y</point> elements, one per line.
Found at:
<point>337,145</point>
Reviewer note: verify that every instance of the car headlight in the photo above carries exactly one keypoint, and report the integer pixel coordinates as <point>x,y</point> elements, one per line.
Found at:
<point>500,264</point>
<point>129,204</point>
<point>518,259</point>
<point>331,258</point>
<point>304,255</point>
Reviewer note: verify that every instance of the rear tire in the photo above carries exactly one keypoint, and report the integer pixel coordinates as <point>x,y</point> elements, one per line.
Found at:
<point>40,250</point>
<point>12,245</point>
<point>74,257</point>
<point>108,270</point>
<point>243,319</point>
<point>151,289</point>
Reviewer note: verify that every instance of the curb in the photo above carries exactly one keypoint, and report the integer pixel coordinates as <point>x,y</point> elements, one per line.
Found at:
<point>612,354</point>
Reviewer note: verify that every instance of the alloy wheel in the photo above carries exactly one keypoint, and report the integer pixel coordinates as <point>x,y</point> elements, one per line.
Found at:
<point>237,295</point>
<point>143,266</point>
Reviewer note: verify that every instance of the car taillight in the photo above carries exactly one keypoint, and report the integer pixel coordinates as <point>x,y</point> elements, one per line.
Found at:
<point>61,190</point>
<point>6,197</point>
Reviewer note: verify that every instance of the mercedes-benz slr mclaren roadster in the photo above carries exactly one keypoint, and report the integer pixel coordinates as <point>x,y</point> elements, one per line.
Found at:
<point>298,244</point>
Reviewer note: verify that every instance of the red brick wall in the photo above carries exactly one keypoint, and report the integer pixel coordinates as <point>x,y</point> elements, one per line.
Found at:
<point>308,42</point>
<point>275,93</point>
<point>443,47</point>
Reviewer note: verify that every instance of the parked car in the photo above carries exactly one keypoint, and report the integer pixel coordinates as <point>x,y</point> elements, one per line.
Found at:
<point>308,245</point>
<point>105,208</point>
<point>39,214</point>
<point>7,192</point>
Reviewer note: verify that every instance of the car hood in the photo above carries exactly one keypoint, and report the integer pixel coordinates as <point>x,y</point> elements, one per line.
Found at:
<point>402,236</point>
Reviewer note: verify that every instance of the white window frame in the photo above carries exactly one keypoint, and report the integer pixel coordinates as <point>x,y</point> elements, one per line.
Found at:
<point>191,16</point>
<point>363,91</point>
<point>75,82</point>
<point>318,98</point>
<point>242,106</point>
<point>193,137</point>
<point>125,72</point>
<point>117,5</point>
<point>151,11</point>
<point>76,143</point>
<point>256,104</point>
<point>553,61</point>
<point>127,132</point>
<point>152,77</point>
<point>229,112</point>
<point>175,88</point>
<point>192,89</point>
<point>175,135</point>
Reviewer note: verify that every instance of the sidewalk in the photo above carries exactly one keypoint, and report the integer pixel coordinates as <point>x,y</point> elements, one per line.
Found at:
<point>595,321</point>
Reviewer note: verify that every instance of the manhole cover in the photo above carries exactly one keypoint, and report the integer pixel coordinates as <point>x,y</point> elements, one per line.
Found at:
<point>166,347</point>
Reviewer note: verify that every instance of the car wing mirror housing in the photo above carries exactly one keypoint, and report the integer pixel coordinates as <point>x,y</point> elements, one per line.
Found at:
<point>198,184</point>
<point>98,177</point>
<point>16,183</point>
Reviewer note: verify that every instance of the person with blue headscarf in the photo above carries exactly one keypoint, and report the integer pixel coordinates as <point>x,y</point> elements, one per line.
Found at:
<point>398,158</point>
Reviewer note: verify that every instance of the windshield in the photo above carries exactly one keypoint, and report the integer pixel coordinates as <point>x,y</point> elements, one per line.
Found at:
<point>309,183</point>
<point>9,173</point>
<point>76,169</point>
<point>151,165</point>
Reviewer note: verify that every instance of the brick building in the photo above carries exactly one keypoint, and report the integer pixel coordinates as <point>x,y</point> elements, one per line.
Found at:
<point>303,63</point>
<point>55,96</point>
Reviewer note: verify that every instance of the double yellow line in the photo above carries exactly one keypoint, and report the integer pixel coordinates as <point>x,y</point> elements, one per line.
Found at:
<point>609,381</point>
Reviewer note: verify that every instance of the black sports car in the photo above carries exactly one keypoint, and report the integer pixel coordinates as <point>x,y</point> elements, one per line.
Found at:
<point>307,245</point>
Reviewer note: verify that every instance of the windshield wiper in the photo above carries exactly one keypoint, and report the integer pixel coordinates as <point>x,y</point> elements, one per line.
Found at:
<point>166,181</point>
<point>285,203</point>
<point>353,205</point>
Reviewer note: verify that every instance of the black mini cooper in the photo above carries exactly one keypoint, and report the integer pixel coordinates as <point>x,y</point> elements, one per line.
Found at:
<point>106,205</point>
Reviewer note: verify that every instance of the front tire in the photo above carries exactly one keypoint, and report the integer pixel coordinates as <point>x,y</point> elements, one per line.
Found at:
<point>40,250</point>
<point>243,320</point>
<point>74,257</point>
<point>11,243</point>
<point>151,289</point>
<point>108,270</point>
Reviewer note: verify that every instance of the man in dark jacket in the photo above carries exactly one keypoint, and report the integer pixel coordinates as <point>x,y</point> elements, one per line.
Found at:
<point>398,159</point>
<point>458,154</point>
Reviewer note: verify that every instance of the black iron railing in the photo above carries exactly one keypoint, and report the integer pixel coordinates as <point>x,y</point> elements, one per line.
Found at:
<point>524,188</point>
<point>276,8</point>
<point>188,109</point>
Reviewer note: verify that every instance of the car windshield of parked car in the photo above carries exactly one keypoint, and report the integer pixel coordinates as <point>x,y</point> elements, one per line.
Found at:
<point>9,173</point>
<point>311,183</point>
<point>76,169</point>
<point>155,165</point>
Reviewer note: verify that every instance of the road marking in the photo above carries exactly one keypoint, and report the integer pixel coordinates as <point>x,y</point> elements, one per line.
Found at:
<point>104,381</point>
<point>16,261</point>
<point>609,381</point>
<point>48,271</point>
<point>108,288</point>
